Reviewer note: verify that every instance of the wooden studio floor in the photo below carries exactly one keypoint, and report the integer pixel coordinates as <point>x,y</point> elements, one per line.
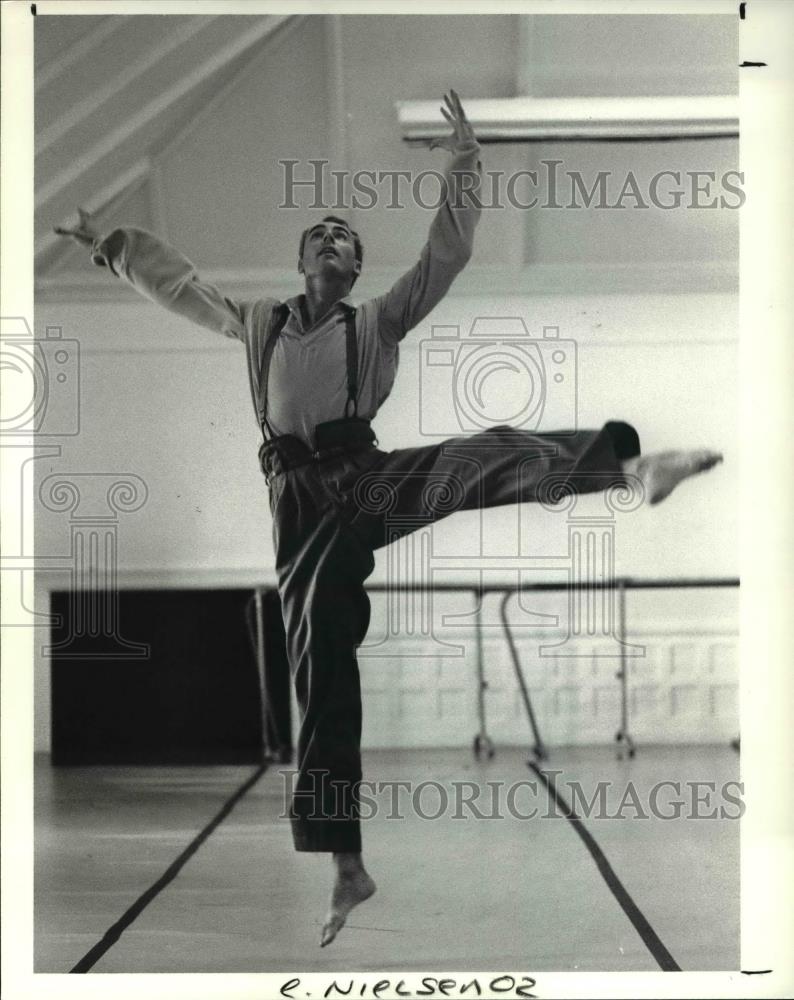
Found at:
<point>460,895</point>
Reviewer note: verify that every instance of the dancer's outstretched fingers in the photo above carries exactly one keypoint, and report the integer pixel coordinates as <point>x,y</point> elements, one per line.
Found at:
<point>466,130</point>
<point>84,232</point>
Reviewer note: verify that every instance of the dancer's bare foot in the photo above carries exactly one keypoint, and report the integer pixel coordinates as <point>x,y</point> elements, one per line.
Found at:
<point>662,472</point>
<point>351,887</point>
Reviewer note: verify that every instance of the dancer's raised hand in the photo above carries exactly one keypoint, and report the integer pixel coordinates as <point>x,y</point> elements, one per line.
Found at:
<point>84,232</point>
<point>461,126</point>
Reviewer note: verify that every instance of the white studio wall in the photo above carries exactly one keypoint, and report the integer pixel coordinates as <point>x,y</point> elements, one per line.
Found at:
<point>170,404</point>
<point>648,295</point>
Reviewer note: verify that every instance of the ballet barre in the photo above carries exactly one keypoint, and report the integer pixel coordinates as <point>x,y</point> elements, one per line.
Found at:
<point>616,588</point>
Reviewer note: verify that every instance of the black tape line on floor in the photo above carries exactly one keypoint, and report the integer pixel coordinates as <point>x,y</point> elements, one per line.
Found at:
<point>618,890</point>
<point>113,933</point>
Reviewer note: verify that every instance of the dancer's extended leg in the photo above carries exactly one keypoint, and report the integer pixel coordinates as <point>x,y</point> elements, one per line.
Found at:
<point>410,487</point>
<point>662,471</point>
<point>324,543</point>
<point>504,465</point>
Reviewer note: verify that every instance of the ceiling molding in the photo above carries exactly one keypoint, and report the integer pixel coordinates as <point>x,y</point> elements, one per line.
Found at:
<point>277,34</point>
<point>120,81</point>
<point>80,50</point>
<point>158,201</point>
<point>595,278</point>
<point>262,27</point>
<point>546,119</point>
<point>338,133</point>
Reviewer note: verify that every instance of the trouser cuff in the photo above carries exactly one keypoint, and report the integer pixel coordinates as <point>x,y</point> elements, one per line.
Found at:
<point>625,439</point>
<point>343,835</point>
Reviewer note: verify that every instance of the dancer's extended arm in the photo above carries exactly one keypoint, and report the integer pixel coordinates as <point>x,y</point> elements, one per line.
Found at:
<point>449,244</point>
<point>162,274</point>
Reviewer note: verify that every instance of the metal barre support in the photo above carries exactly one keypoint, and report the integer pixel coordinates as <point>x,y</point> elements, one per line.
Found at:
<point>482,742</point>
<point>623,735</point>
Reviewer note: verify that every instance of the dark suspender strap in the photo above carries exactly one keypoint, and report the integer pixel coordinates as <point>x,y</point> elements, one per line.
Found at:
<point>351,352</point>
<point>277,320</point>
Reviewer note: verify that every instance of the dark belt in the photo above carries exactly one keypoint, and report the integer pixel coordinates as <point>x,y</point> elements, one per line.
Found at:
<point>331,439</point>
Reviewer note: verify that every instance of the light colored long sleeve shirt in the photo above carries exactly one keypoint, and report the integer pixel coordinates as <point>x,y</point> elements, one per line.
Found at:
<point>307,382</point>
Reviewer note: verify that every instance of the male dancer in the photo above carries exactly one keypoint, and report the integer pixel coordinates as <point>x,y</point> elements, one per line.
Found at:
<point>319,369</point>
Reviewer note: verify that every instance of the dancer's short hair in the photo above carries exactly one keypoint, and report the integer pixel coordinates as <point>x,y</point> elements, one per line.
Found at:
<point>358,247</point>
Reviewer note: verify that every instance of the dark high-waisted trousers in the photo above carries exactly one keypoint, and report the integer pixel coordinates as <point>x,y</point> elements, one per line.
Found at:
<point>328,518</point>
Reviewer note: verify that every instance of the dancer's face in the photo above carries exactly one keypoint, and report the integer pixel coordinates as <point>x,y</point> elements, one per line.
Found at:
<point>329,250</point>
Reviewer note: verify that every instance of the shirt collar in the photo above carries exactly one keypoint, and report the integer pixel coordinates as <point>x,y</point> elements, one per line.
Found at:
<point>294,304</point>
